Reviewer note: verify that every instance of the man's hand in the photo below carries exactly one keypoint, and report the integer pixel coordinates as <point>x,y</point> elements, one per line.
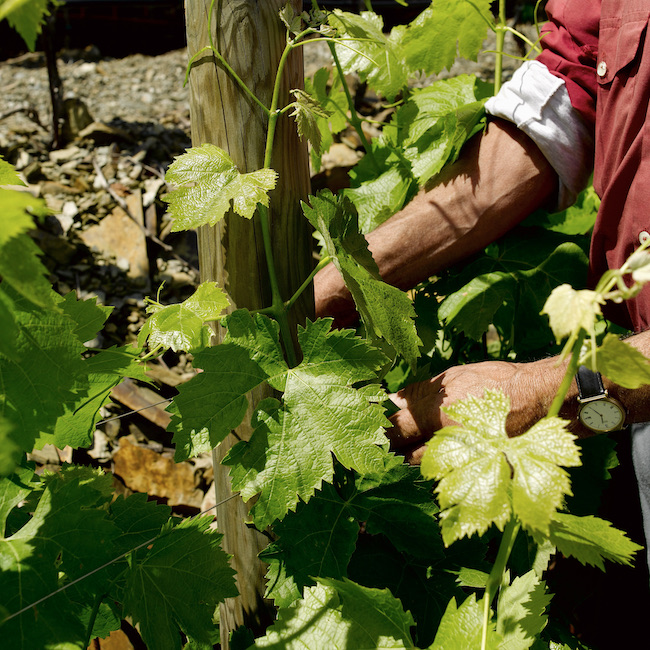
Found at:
<point>530,387</point>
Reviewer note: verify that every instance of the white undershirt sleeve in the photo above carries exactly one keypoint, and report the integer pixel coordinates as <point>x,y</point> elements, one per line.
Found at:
<point>538,103</point>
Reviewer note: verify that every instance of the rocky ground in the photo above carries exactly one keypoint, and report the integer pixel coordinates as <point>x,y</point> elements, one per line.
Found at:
<point>109,233</point>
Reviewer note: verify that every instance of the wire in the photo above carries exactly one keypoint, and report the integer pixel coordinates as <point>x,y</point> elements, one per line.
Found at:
<point>123,415</point>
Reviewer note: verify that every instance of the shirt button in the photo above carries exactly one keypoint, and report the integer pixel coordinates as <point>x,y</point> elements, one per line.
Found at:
<point>601,70</point>
<point>644,235</point>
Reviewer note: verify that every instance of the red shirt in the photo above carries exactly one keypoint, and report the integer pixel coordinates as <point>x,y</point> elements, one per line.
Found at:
<point>601,49</point>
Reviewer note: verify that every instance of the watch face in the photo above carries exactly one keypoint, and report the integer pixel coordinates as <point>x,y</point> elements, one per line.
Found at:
<point>602,415</point>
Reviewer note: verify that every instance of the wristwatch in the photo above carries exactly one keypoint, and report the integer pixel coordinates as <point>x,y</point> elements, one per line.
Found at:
<point>597,411</point>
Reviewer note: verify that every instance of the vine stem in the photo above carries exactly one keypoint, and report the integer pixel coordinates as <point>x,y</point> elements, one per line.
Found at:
<point>501,29</point>
<point>278,308</point>
<point>92,619</point>
<point>495,578</point>
<point>321,265</point>
<point>571,370</point>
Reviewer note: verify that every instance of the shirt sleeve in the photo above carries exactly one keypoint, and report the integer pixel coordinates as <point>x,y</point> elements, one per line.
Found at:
<point>539,104</point>
<point>553,99</point>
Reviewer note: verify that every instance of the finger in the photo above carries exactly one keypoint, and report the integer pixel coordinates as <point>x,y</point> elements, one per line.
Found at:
<point>405,430</point>
<point>413,456</point>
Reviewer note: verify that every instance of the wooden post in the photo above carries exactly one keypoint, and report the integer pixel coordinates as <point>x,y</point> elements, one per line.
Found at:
<point>251,38</point>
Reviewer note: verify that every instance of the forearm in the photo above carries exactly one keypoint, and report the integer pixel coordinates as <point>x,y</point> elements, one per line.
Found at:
<point>500,178</point>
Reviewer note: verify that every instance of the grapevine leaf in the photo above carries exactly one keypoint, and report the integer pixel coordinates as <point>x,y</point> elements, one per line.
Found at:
<point>400,505</point>
<point>26,17</point>
<point>455,26</point>
<point>341,614</point>
<point>482,296</point>
<point>21,268</point>
<point>181,326</point>
<point>50,367</point>
<point>87,314</point>
<point>590,540</point>
<point>436,121</point>
<point>289,453</point>
<point>335,104</point>
<point>520,612</point>
<point>462,627</point>
<point>68,532</point>
<point>13,489</point>
<point>178,585</point>
<point>380,198</point>
<point>102,372</point>
<point>8,175</point>
<point>8,328</point>
<point>291,21</point>
<point>307,111</point>
<point>214,402</point>
<point>538,483</point>
<point>479,466</point>
<point>578,219</point>
<point>208,181</point>
<point>316,541</point>
<point>424,589</point>
<point>137,519</point>
<point>10,451</point>
<point>570,310</point>
<point>365,49</point>
<point>622,363</point>
<point>385,310</point>
<point>525,277</point>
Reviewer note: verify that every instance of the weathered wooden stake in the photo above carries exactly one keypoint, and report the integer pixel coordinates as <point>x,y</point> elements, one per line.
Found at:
<point>250,36</point>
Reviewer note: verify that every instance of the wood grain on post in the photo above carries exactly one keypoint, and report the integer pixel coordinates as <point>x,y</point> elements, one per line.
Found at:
<point>251,38</point>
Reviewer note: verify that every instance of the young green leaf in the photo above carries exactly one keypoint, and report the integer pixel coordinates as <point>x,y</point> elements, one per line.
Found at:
<point>521,611</point>
<point>365,49</point>
<point>87,314</point>
<point>181,327</point>
<point>178,584</point>
<point>486,477</point>
<point>290,452</point>
<point>386,311</point>
<point>570,310</point>
<point>307,111</point>
<point>435,123</point>
<point>462,627</point>
<point>8,175</point>
<point>622,363</point>
<point>334,103</point>
<point>26,17</point>
<point>590,540</point>
<point>208,182</point>
<point>341,614</point>
<point>291,20</point>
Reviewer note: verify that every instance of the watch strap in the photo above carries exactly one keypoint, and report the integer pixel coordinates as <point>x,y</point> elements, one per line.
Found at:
<point>590,383</point>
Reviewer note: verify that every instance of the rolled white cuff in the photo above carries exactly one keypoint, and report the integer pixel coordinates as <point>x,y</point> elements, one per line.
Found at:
<point>538,103</point>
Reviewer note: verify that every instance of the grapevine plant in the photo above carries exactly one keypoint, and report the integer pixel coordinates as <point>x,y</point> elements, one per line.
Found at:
<point>336,501</point>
